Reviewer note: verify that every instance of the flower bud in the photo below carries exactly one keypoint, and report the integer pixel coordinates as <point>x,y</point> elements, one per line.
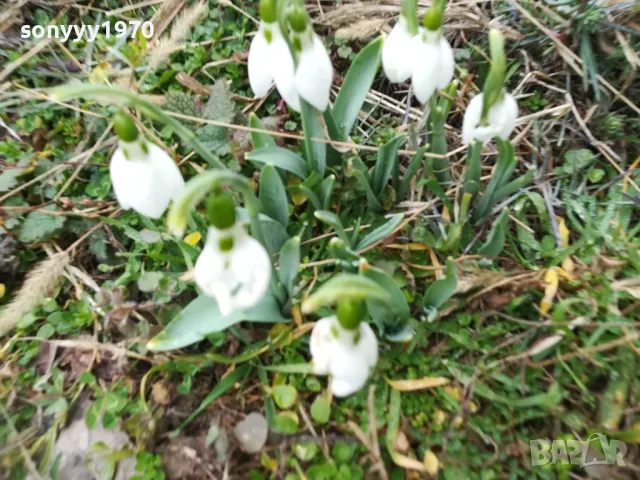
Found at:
<point>350,313</point>
<point>298,19</point>
<point>221,211</point>
<point>124,126</point>
<point>268,11</point>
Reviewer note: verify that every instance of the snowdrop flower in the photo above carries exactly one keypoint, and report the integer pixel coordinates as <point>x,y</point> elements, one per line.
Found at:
<point>144,177</point>
<point>347,354</point>
<point>271,61</point>
<point>314,74</point>
<point>397,52</point>
<point>422,54</point>
<point>501,119</point>
<point>233,267</point>
<point>494,112</point>
<point>433,65</point>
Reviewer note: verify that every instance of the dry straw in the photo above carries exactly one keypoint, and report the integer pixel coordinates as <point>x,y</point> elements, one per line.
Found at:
<point>39,284</point>
<point>181,27</point>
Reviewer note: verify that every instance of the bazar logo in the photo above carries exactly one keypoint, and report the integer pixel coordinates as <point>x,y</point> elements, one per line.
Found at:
<point>596,450</point>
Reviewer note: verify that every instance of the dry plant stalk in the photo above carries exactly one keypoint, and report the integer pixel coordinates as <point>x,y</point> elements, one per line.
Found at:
<point>39,284</point>
<point>362,29</point>
<point>179,31</point>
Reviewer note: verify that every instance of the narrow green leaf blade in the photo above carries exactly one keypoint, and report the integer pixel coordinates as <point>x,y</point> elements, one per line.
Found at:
<point>356,85</point>
<point>281,158</point>
<point>387,159</point>
<point>316,152</point>
<point>258,139</point>
<point>381,232</point>
<point>273,195</point>
<point>289,262</point>
<point>497,235</point>
<point>442,290</point>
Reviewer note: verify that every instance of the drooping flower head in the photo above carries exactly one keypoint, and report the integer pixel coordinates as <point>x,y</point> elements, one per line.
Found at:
<point>286,51</point>
<point>344,347</point>
<point>144,177</point>
<point>494,112</point>
<point>434,63</point>
<point>233,267</point>
<point>420,53</point>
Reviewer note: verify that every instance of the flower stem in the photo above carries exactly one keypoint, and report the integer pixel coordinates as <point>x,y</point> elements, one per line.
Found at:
<point>118,96</point>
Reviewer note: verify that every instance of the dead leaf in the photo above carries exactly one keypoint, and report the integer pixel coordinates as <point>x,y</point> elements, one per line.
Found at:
<point>417,384</point>
<point>160,394</point>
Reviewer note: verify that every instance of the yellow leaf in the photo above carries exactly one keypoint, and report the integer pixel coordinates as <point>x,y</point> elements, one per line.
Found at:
<point>453,391</point>
<point>192,238</point>
<point>551,277</point>
<point>407,462</point>
<point>431,463</point>
<point>563,231</point>
<point>3,290</point>
<point>417,384</point>
<point>408,246</point>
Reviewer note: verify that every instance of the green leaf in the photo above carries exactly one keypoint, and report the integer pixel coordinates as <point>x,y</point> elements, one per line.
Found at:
<point>273,195</point>
<point>289,261</point>
<point>285,396</point>
<point>525,237</point>
<point>326,189</point>
<point>362,175</point>
<point>201,317</point>
<point>281,158</point>
<point>316,152</point>
<point>412,168</point>
<point>220,106</point>
<point>355,86</point>
<point>388,317</point>
<point>345,286</point>
<point>283,423</point>
<point>8,178</point>
<point>220,388</point>
<point>258,139</point>
<point>321,409</point>
<point>334,221</point>
<point>497,235</point>
<point>149,281</point>
<point>184,104</point>
<point>383,231</point>
<point>386,162</point>
<point>442,290</point>
<point>40,226</point>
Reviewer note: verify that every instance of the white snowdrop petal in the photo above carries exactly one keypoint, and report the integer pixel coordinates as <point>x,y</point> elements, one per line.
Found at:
<point>282,69</point>
<point>167,169</point>
<point>471,119</point>
<point>259,61</point>
<point>446,64</point>
<point>368,344</point>
<point>320,345</point>
<point>343,387</point>
<point>138,178</point>
<point>425,70</point>
<point>504,116</point>
<point>237,279</point>
<point>314,75</point>
<point>396,53</point>
<point>252,268</point>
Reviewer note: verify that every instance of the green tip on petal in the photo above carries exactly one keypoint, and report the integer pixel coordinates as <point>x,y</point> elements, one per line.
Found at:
<point>298,19</point>
<point>432,19</point>
<point>221,211</point>
<point>350,313</point>
<point>268,10</point>
<point>124,126</point>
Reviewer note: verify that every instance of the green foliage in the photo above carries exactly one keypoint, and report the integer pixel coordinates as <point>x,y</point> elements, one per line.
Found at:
<point>39,226</point>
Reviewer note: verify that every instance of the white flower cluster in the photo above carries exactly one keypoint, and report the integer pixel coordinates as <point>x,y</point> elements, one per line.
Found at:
<point>426,58</point>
